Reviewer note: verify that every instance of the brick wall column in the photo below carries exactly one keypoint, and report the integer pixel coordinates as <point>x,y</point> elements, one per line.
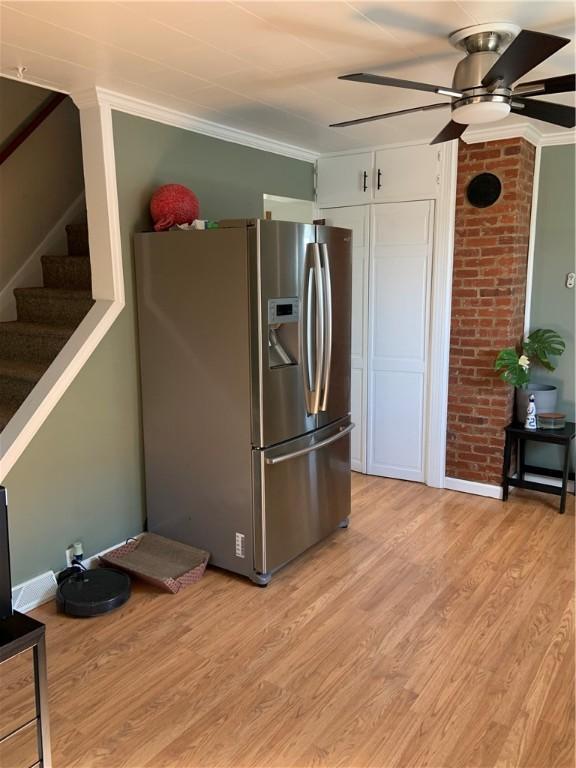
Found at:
<point>488,298</point>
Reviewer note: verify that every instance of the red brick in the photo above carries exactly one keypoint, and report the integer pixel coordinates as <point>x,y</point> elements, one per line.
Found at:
<point>489,276</point>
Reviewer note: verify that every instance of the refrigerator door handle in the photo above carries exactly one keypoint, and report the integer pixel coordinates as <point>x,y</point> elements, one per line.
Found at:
<point>306,348</point>
<point>303,451</point>
<point>320,328</point>
<point>327,289</point>
<point>313,351</point>
<point>309,360</point>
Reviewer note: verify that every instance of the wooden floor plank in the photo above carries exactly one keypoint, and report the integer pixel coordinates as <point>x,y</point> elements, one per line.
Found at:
<point>436,631</point>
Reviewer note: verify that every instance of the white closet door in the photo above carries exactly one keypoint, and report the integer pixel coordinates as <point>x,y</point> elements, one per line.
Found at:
<point>357,218</point>
<point>398,338</point>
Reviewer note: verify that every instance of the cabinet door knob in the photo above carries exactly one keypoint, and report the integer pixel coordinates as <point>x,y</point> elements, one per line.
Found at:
<point>379,181</point>
<point>365,181</point>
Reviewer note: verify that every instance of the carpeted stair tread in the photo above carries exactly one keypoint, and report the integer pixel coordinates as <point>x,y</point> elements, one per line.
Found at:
<point>37,342</point>
<point>58,306</point>
<point>68,272</point>
<point>46,318</point>
<point>57,293</point>
<point>33,329</point>
<point>18,379</point>
<point>7,410</point>
<point>26,370</point>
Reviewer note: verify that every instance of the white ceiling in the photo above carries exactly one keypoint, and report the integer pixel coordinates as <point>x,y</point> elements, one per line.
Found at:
<point>267,67</point>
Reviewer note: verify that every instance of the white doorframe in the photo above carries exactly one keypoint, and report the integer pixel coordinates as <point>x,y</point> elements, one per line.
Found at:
<point>440,316</point>
<point>532,239</point>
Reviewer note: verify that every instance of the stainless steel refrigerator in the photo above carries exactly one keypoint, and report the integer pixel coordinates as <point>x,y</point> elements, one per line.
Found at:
<point>245,371</point>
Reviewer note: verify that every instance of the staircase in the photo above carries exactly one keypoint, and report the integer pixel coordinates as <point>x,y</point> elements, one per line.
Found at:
<point>46,318</point>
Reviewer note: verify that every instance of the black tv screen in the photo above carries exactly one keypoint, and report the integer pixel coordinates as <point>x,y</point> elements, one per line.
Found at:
<point>5,582</point>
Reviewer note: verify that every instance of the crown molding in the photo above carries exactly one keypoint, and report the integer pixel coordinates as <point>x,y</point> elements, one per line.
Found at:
<point>560,137</point>
<point>88,97</point>
<point>527,131</point>
<point>502,131</point>
<point>149,111</point>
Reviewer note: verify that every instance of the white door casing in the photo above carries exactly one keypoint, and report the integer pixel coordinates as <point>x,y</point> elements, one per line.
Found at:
<point>357,218</point>
<point>399,308</point>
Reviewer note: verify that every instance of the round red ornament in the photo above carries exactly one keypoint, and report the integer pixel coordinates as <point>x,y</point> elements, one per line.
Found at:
<point>173,204</point>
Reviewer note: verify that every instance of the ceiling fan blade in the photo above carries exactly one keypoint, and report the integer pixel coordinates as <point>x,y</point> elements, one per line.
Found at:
<point>388,114</point>
<point>363,77</point>
<point>523,54</point>
<point>560,84</point>
<point>548,112</point>
<point>451,131</point>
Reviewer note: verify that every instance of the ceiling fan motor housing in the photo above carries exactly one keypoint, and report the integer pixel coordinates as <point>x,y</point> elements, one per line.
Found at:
<point>479,104</point>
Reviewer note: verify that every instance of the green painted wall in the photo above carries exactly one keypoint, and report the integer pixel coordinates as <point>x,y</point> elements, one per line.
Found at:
<point>81,477</point>
<point>229,179</point>
<point>553,305</point>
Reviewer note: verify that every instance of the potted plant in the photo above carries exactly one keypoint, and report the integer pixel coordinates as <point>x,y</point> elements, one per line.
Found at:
<point>516,366</point>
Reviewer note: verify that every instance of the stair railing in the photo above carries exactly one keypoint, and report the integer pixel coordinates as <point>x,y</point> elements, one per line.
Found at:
<point>30,125</point>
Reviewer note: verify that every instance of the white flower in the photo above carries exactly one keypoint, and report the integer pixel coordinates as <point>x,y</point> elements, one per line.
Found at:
<point>523,362</point>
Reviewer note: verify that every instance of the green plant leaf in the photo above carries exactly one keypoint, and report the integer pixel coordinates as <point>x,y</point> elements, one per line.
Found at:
<point>542,343</point>
<point>511,371</point>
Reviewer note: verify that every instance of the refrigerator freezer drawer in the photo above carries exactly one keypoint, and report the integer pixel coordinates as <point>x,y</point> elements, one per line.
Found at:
<point>302,490</point>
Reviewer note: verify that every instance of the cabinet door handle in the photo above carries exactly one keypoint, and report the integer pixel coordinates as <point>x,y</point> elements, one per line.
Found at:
<point>379,182</point>
<point>365,181</point>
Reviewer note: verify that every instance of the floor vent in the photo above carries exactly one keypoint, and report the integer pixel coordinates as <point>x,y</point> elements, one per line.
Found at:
<point>30,594</point>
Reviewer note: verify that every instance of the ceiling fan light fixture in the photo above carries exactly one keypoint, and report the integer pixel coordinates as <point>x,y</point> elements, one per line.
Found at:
<point>481,112</point>
<point>485,87</point>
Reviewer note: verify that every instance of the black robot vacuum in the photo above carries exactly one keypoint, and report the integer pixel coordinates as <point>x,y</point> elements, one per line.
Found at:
<point>93,592</point>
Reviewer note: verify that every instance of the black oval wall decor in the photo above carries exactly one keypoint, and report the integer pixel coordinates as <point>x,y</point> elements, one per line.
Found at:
<point>484,190</point>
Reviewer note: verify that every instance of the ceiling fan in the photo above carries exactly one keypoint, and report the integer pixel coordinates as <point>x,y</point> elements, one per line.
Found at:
<point>482,91</point>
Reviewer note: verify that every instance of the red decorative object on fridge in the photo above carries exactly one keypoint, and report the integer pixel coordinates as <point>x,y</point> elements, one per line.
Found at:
<point>173,204</point>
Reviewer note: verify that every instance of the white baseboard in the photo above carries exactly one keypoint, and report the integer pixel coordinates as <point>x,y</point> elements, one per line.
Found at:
<point>30,273</point>
<point>42,588</point>
<point>478,489</point>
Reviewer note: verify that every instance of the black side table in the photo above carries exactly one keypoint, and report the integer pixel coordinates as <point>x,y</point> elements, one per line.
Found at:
<point>516,433</point>
<point>19,633</point>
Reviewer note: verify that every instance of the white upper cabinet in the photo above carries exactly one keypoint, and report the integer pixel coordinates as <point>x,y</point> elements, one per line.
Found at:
<point>345,179</point>
<point>387,175</point>
<point>407,173</point>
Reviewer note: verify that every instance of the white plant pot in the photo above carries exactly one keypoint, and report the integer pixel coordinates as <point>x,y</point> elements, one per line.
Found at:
<point>545,396</point>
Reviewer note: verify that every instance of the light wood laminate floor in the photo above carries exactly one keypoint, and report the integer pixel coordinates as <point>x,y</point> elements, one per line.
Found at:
<point>436,631</point>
